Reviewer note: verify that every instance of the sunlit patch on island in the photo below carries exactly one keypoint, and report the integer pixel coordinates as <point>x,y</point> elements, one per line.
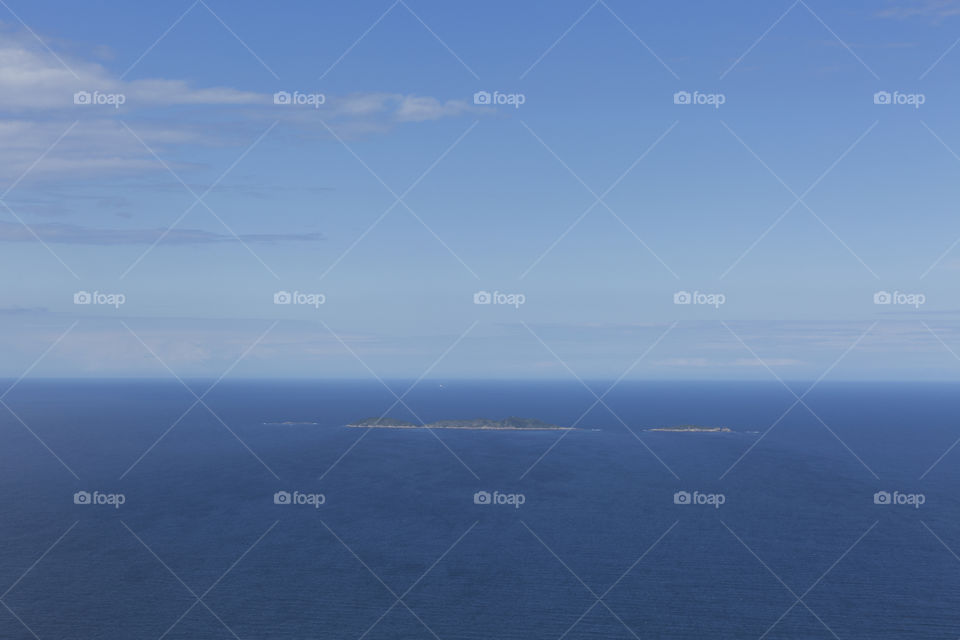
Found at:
<point>692,428</point>
<point>507,424</point>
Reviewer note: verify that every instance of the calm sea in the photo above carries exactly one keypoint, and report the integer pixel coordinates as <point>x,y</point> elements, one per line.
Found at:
<point>599,533</point>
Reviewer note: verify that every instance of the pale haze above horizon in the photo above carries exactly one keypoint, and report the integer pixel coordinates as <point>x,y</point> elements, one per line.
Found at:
<point>565,190</point>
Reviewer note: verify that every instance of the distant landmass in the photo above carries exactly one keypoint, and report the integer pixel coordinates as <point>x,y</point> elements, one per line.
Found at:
<point>507,424</point>
<point>692,428</point>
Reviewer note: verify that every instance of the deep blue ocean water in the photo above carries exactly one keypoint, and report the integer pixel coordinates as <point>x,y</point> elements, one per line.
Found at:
<point>598,549</point>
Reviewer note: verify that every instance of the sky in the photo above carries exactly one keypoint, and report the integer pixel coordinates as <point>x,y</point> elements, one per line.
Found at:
<point>563,190</point>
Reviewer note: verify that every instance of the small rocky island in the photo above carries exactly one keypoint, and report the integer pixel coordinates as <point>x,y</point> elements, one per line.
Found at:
<point>507,424</point>
<point>692,428</point>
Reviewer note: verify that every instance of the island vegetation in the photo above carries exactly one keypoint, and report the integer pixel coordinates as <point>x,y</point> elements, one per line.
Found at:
<point>507,424</point>
<point>688,428</point>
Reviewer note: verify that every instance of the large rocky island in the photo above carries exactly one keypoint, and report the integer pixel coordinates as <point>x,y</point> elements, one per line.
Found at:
<point>507,424</point>
<point>691,428</point>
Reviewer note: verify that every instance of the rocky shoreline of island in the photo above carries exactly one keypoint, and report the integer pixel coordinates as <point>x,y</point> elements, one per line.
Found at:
<point>691,428</point>
<point>486,424</point>
<point>478,424</point>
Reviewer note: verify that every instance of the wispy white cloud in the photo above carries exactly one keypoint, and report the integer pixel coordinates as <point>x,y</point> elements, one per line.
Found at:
<point>31,78</point>
<point>936,9</point>
<point>76,234</point>
<point>768,362</point>
<point>37,105</point>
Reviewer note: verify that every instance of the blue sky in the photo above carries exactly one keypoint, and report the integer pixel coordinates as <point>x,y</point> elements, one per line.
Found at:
<point>598,199</point>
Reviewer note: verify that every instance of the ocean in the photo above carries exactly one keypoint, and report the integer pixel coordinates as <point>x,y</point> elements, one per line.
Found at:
<point>842,520</point>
